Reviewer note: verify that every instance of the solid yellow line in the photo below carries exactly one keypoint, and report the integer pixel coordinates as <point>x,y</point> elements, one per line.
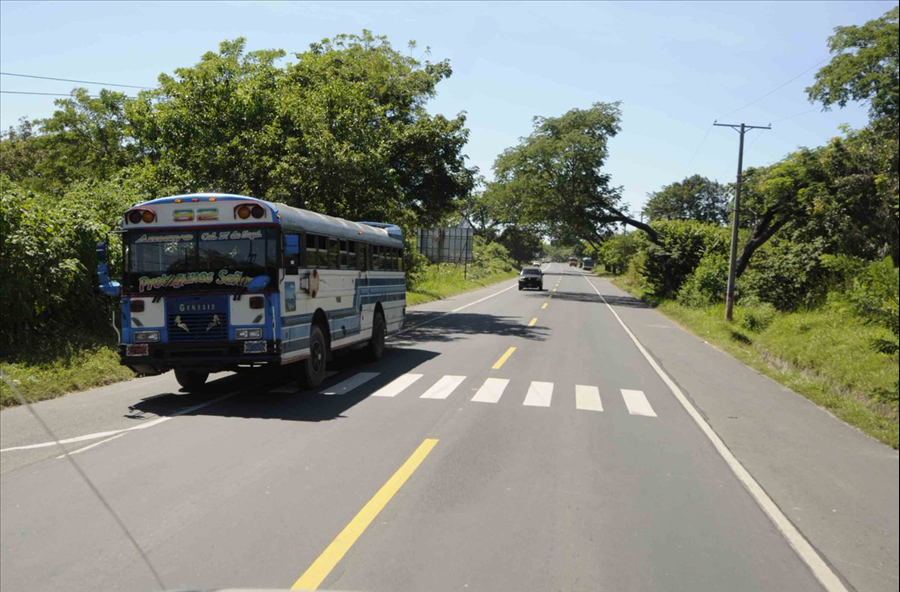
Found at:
<point>503,358</point>
<point>533,321</point>
<point>331,556</point>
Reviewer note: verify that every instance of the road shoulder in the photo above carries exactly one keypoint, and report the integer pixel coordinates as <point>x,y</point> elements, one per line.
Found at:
<point>837,485</point>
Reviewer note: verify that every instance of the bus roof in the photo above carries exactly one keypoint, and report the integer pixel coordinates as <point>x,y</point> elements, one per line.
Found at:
<point>297,219</point>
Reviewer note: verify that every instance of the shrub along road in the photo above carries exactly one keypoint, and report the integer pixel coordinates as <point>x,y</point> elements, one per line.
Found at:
<point>570,439</point>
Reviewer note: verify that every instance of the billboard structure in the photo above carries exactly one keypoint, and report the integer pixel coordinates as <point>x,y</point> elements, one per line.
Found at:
<point>449,245</point>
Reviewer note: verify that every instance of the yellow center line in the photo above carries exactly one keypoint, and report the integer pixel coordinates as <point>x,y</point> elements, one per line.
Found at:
<point>554,289</point>
<point>331,556</point>
<point>503,359</point>
<point>533,321</point>
<point>543,306</point>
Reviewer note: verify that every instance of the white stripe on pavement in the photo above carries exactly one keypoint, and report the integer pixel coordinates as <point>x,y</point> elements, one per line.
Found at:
<point>397,386</point>
<point>491,390</point>
<point>90,446</point>
<point>823,572</point>
<point>587,398</point>
<point>443,387</point>
<point>539,394</point>
<point>637,403</point>
<point>345,386</point>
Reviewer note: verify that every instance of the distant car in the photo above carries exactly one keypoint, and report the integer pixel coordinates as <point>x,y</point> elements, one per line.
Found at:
<point>573,261</point>
<point>536,263</point>
<point>531,277</point>
<point>587,264</point>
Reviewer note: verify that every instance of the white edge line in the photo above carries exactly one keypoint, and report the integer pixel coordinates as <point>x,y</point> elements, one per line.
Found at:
<point>91,446</point>
<point>142,426</point>
<point>821,570</point>
<point>392,335</point>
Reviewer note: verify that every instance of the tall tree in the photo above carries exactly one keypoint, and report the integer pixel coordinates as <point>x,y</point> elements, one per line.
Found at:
<point>343,130</point>
<point>694,198</point>
<point>865,68</point>
<point>556,174</point>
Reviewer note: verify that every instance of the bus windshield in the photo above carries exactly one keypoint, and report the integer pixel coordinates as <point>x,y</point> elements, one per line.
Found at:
<point>191,260</point>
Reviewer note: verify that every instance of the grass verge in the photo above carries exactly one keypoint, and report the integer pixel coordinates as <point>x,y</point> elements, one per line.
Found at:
<point>822,354</point>
<point>62,368</point>
<point>442,282</point>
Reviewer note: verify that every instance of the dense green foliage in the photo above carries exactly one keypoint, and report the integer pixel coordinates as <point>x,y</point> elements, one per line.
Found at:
<point>694,198</point>
<point>341,130</point>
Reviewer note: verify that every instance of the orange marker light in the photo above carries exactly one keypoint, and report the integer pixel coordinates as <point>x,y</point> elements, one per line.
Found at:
<point>212,199</point>
<point>177,201</point>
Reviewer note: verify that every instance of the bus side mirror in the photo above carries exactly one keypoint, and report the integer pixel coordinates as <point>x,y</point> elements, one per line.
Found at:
<point>108,287</point>
<point>258,284</point>
<point>291,254</point>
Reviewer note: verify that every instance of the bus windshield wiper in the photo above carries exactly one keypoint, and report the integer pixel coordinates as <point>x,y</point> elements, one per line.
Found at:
<point>251,257</point>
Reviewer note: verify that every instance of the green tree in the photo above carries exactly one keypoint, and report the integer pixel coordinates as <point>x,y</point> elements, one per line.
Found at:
<point>555,176</point>
<point>694,198</point>
<point>523,243</point>
<point>343,130</point>
<point>865,68</point>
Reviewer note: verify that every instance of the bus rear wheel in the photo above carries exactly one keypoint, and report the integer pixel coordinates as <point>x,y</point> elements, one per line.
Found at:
<point>312,371</point>
<point>375,349</point>
<point>191,379</point>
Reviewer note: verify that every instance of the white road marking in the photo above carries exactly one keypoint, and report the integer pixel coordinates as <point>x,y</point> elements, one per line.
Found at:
<point>829,580</point>
<point>491,390</point>
<point>539,394</point>
<point>91,446</point>
<point>143,426</point>
<point>637,403</point>
<point>440,316</point>
<point>587,398</point>
<point>396,386</point>
<point>443,387</point>
<point>345,386</point>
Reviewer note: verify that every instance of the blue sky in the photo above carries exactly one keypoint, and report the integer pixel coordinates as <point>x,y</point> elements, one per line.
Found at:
<point>676,66</point>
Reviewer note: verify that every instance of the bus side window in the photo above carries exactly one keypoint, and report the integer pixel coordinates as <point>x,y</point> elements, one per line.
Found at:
<point>312,252</point>
<point>400,260</point>
<point>322,246</point>
<point>363,256</point>
<point>377,258</point>
<point>395,259</point>
<point>344,255</point>
<point>334,261</point>
<point>352,256</point>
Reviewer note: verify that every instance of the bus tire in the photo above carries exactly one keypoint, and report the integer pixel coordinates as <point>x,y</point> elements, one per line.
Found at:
<point>375,349</point>
<point>312,369</point>
<point>191,380</point>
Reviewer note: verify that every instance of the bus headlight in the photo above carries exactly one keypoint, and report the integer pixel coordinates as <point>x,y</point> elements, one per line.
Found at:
<point>248,333</point>
<point>146,336</point>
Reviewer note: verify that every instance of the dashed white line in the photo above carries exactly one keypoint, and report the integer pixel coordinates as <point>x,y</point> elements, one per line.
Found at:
<point>539,394</point>
<point>637,403</point>
<point>443,387</point>
<point>491,390</point>
<point>397,386</point>
<point>345,386</point>
<point>587,398</point>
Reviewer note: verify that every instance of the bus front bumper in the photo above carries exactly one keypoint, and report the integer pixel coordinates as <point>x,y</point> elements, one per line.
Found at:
<point>211,354</point>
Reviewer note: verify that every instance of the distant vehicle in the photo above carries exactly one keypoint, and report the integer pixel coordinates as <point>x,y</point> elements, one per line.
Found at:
<point>573,261</point>
<point>536,263</point>
<point>587,264</point>
<point>531,277</point>
<point>216,282</point>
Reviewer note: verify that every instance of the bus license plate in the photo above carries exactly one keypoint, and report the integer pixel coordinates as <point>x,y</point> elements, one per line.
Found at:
<point>254,347</point>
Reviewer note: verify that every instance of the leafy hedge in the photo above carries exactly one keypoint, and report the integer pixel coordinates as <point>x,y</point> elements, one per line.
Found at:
<point>49,260</point>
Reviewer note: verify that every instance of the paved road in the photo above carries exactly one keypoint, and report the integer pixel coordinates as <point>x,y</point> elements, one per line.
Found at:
<point>610,450</point>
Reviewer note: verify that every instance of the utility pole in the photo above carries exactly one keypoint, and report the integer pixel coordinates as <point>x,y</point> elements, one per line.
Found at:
<point>732,262</point>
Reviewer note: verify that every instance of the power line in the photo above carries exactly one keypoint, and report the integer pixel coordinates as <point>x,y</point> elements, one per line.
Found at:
<point>46,94</point>
<point>754,101</point>
<point>796,115</point>
<point>697,151</point>
<point>72,80</point>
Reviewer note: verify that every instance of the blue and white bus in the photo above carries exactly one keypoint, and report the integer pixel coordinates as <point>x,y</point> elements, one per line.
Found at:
<point>217,282</point>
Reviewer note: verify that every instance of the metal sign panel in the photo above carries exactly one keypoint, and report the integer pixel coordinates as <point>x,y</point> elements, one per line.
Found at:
<point>452,245</point>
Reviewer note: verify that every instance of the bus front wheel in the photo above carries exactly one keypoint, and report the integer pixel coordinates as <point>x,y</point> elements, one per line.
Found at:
<point>376,344</point>
<point>313,368</point>
<point>191,379</point>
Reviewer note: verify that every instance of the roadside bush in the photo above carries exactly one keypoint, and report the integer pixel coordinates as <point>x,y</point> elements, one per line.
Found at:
<point>757,317</point>
<point>787,275</point>
<point>684,243</point>
<point>616,252</point>
<point>49,260</point>
<point>875,296</point>
<point>706,284</point>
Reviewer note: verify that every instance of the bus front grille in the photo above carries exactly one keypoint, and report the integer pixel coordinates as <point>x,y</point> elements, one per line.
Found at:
<point>197,326</point>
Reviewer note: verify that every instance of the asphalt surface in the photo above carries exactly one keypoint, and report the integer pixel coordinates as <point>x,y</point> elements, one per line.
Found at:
<point>570,466</point>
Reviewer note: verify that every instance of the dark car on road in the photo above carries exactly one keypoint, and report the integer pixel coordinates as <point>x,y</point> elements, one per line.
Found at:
<point>531,277</point>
